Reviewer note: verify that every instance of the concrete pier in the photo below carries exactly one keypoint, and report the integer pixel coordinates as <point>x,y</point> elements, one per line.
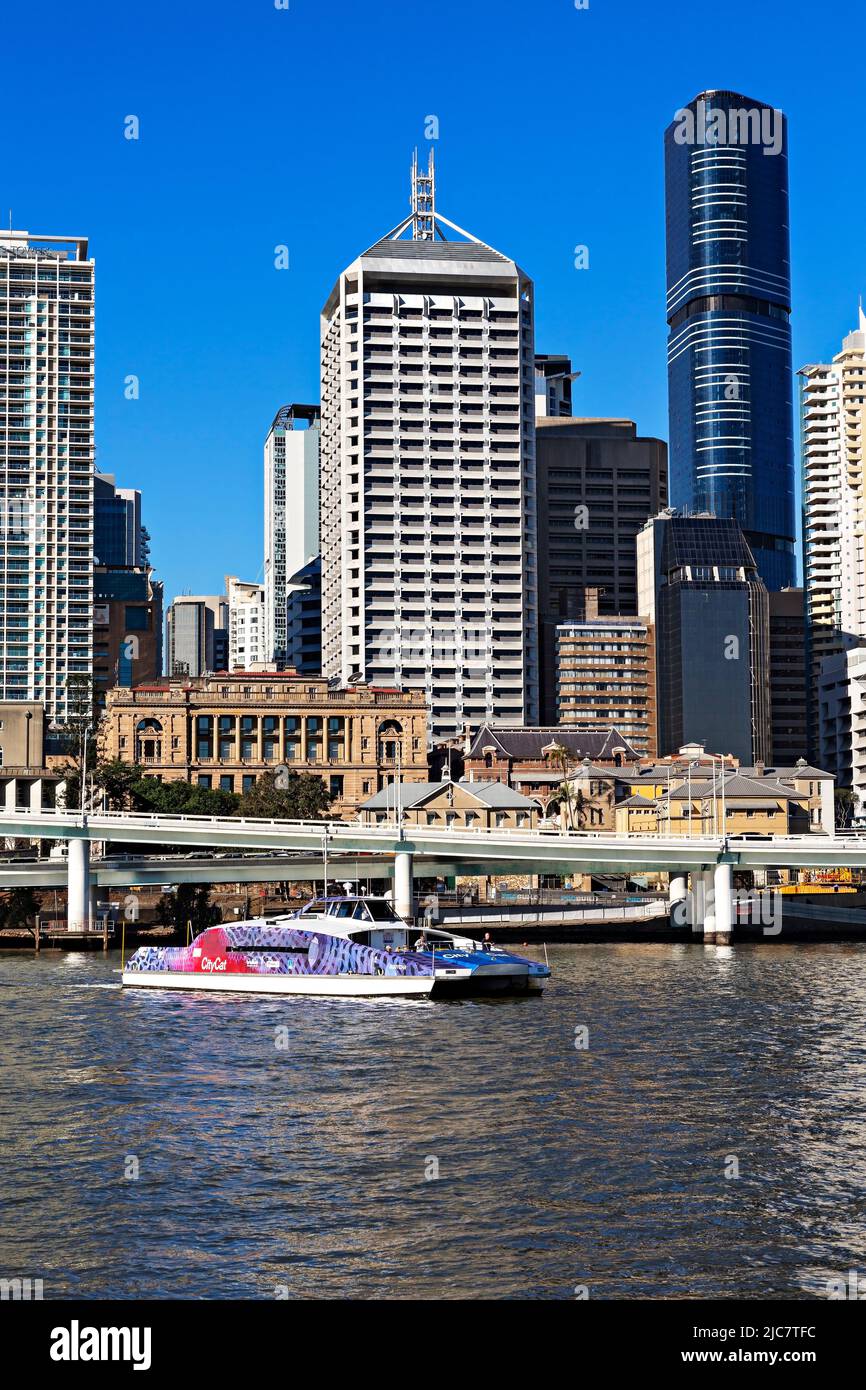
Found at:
<point>403,882</point>
<point>709,913</point>
<point>724,905</point>
<point>78,896</point>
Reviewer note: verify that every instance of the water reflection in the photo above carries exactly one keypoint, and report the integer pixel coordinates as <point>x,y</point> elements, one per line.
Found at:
<point>304,1166</point>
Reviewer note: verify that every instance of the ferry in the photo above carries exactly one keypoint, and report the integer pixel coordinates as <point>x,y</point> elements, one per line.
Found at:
<point>342,947</point>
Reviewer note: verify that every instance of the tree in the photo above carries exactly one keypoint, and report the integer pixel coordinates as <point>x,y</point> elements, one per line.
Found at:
<point>119,781</point>
<point>563,759</point>
<point>191,903</point>
<point>295,796</point>
<point>77,736</point>
<point>19,908</point>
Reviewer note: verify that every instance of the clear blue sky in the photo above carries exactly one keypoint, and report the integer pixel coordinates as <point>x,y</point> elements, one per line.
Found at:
<point>261,126</point>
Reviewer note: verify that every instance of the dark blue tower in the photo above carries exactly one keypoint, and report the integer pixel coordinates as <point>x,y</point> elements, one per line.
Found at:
<point>728,311</point>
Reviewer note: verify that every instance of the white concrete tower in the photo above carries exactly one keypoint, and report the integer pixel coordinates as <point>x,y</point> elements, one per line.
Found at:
<point>46,468</point>
<point>291,512</point>
<point>428,472</point>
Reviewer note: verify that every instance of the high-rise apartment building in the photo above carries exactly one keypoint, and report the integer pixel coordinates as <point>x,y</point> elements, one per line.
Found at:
<point>833,433</point>
<point>728,311</point>
<point>606,669</point>
<point>598,483</point>
<point>46,468</point>
<point>247,627</point>
<point>291,512</point>
<point>197,635</point>
<point>698,585</point>
<point>304,620</point>
<point>553,378</point>
<point>428,472</point>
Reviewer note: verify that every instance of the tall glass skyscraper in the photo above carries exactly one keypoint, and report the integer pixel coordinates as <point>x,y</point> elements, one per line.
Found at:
<point>728,311</point>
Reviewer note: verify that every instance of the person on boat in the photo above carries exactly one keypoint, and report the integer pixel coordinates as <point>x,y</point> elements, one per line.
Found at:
<point>487,944</point>
<point>421,943</point>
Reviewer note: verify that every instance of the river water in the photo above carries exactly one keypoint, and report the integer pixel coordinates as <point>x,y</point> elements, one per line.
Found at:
<point>708,1141</point>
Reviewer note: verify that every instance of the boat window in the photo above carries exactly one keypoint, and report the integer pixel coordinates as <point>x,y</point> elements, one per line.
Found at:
<point>343,909</point>
<point>361,913</point>
<point>381,911</point>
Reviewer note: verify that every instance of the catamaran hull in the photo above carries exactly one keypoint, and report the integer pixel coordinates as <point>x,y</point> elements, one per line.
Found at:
<point>486,980</point>
<point>335,986</point>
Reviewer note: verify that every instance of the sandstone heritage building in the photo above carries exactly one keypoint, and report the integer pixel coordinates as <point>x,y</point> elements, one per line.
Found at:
<point>224,731</point>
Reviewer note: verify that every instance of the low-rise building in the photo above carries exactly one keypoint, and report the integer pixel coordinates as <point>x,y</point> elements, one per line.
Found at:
<point>224,731</point>
<point>532,760</point>
<point>699,800</point>
<point>453,806</point>
<point>26,779</point>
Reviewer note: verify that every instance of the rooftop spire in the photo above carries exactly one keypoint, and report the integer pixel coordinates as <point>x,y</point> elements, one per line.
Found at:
<point>423,199</point>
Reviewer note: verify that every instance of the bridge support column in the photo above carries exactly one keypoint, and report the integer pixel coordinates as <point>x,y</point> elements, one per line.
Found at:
<point>678,895</point>
<point>403,888</point>
<point>696,900</point>
<point>78,885</point>
<point>709,904</point>
<point>724,905</point>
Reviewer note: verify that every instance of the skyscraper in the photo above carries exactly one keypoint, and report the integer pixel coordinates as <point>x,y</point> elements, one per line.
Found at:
<point>197,629</point>
<point>291,512</point>
<point>119,539</point>
<point>598,482</point>
<point>728,310</point>
<point>428,472</point>
<point>833,432</point>
<point>699,586</point>
<point>46,468</point>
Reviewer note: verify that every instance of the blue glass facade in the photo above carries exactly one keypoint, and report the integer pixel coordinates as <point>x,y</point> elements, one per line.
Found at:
<point>728,310</point>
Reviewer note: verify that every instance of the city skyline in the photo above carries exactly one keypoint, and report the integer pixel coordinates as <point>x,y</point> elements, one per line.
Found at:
<point>186,198</point>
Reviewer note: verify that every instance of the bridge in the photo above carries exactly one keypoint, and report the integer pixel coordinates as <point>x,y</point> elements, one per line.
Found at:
<point>388,850</point>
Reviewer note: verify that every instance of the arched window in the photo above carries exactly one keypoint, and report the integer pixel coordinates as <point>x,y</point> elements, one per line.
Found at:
<point>148,741</point>
<point>390,741</point>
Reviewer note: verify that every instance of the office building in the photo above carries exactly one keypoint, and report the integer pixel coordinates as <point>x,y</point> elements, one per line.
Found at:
<point>598,483</point>
<point>127,628</point>
<point>728,312</point>
<point>247,625</point>
<point>197,635</point>
<point>833,431</point>
<point>304,619</point>
<point>223,732</point>
<point>46,468</point>
<point>291,527</point>
<point>788,732</point>
<point>606,674</point>
<point>428,472</point>
<point>699,587</point>
<point>553,378</point>
<point>120,541</point>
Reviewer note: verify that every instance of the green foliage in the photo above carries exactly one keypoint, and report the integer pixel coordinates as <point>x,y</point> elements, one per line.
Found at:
<point>190,902</point>
<point>18,908</point>
<point>298,796</point>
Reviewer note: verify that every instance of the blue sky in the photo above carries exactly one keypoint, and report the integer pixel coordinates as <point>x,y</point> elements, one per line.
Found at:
<point>261,127</point>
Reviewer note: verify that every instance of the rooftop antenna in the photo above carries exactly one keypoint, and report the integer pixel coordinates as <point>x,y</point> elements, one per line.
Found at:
<point>423,199</point>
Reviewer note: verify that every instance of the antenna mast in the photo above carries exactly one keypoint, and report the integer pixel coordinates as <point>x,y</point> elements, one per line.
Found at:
<point>423,200</point>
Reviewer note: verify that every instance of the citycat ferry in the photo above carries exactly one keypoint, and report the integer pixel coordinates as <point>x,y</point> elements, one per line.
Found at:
<point>460,964</point>
<point>346,947</point>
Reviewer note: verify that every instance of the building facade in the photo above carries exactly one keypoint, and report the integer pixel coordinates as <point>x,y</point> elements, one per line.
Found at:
<point>606,672</point>
<point>428,473</point>
<point>833,431</point>
<point>699,586</point>
<point>120,541</point>
<point>247,625</point>
<point>453,806</point>
<point>127,628</point>
<point>728,313</point>
<point>788,731</point>
<point>46,467</point>
<point>598,482</point>
<point>197,634</point>
<point>841,721</point>
<point>536,761</point>
<point>291,528</point>
<point>304,620</point>
<point>224,731</point>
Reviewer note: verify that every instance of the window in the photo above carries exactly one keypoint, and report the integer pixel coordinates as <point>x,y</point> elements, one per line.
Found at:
<point>205,780</point>
<point>227,783</point>
<point>335,786</point>
<point>247,781</point>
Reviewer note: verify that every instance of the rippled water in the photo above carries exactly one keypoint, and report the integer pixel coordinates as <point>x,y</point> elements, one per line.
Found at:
<point>304,1168</point>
